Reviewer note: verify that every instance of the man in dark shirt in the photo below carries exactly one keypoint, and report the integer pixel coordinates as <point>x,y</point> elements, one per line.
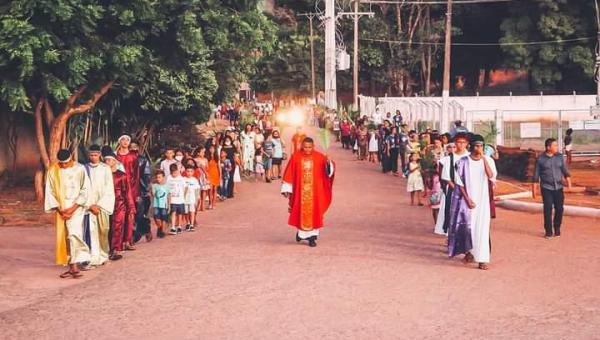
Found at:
<point>550,170</point>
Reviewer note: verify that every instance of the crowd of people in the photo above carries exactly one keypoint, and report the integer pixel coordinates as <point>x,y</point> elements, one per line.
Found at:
<point>103,206</point>
<point>453,173</point>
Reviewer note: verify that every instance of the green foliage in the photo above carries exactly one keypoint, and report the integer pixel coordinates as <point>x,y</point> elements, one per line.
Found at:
<point>490,132</point>
<point>551,65</point>
<point>286,70</point>
<point>167,57</point>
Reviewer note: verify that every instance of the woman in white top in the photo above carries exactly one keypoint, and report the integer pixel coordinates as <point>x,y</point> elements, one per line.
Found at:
<point>247,138</point>
<point>373,146</point>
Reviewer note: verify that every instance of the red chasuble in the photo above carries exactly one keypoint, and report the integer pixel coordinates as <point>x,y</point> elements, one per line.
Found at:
<point>124,203</point>
<point>312,189</point>
<point>131,164</point>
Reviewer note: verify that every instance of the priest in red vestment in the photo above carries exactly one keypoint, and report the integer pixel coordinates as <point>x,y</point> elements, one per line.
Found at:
<point>131,164</point>
<point>307,183</point>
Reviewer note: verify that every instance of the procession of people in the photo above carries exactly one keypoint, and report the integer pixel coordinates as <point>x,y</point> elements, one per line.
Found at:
<point>102,207</point>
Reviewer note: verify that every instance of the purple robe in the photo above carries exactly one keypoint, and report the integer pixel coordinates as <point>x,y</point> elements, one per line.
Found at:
<point>459,228</point>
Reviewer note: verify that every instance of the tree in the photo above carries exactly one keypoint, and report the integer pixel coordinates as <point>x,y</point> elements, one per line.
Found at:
<point>552,65</point>
<point>161,56</point>
<point>287,69</point>
<point>238,35</point>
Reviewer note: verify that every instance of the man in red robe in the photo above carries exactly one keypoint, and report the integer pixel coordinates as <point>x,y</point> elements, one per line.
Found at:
<point>131,164</point>
<point>307,183</point>
<point>123,205</point>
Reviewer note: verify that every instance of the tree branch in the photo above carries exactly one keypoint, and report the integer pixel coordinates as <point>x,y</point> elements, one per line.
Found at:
<point>90,103</point>
<point>73,98</point>
<point>49,113</point>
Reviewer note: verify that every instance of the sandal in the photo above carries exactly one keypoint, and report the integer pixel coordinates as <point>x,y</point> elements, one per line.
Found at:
<point>76,275</point>
<point>65,274</point>
<point>468,258</point>
<point>129,247</point>
<point>115,257</point>
<point>149,237</point>
<point>483,266</point>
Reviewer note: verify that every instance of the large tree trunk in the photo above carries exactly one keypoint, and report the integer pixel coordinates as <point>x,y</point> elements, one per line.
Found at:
<point>38,182</point>
<point>39,133</point>
<point>57,127</point>
<point>428,72</point>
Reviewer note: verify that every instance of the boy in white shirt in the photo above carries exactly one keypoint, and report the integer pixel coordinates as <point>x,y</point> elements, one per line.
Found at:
<point>177,190</point>
<point>191,197</point>
<point>165,164</point>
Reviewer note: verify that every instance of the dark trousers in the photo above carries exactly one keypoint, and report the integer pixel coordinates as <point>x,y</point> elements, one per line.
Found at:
<point>230,184</point>
<point>556,199</point>
<point>394,160</point>
<point>402,154</point>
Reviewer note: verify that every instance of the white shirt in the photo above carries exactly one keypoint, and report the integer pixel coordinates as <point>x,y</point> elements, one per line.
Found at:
<point>177,186</point>
<point>165,165</point>
<point>193,186</point>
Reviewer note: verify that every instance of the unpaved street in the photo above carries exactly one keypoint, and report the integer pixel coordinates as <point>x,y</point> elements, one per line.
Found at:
<point>378,273</point>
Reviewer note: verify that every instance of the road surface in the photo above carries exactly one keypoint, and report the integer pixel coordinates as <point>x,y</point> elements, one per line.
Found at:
<point>378,273</point>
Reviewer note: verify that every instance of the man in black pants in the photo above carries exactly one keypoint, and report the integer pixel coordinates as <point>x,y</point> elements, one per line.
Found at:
<point>550,171</point>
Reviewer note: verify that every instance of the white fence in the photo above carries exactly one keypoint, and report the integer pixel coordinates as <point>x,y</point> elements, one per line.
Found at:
<point>517,121</point>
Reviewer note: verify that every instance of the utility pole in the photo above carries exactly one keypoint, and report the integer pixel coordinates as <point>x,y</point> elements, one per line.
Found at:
<point>310,17</point>
<point>595,109</point>
<point>330,76</point>
<point>355,15</point>
<point>355,58</point>
<point>446,80</point>
<point>597,76</point>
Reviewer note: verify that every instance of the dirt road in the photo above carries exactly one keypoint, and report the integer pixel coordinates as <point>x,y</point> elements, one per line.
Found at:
<point>378,273</point>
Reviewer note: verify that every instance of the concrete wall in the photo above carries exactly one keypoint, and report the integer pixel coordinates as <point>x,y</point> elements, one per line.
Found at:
<point>27,150</point>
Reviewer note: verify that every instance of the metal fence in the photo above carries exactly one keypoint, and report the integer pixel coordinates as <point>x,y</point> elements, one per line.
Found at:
<point>514,121</point>
<point>528,129</point>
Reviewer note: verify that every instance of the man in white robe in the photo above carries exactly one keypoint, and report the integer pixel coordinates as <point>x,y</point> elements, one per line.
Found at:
<point>101,206</point>
<point>471,206</point>
<point>67,195</point>
<point>457,150</point>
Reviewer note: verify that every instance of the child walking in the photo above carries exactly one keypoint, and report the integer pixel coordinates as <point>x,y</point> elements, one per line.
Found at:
<point>192,195</point>
<point>415,179</point>
<point>169,158</point>
<point>214,175</point>
<point>177,191</point>
<point>202,175</point>
<point>373,146</point>
<point>226,168</point>
<point>160,198</point>
<point>435,193</point>
<point>259,166</point>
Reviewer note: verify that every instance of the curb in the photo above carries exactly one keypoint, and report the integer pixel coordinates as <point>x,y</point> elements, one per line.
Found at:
<point>523,194</point>
<point>570,210</point>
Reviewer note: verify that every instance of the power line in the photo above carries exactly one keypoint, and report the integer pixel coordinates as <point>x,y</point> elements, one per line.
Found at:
<point>429,2</point>
<point>404,42</point>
